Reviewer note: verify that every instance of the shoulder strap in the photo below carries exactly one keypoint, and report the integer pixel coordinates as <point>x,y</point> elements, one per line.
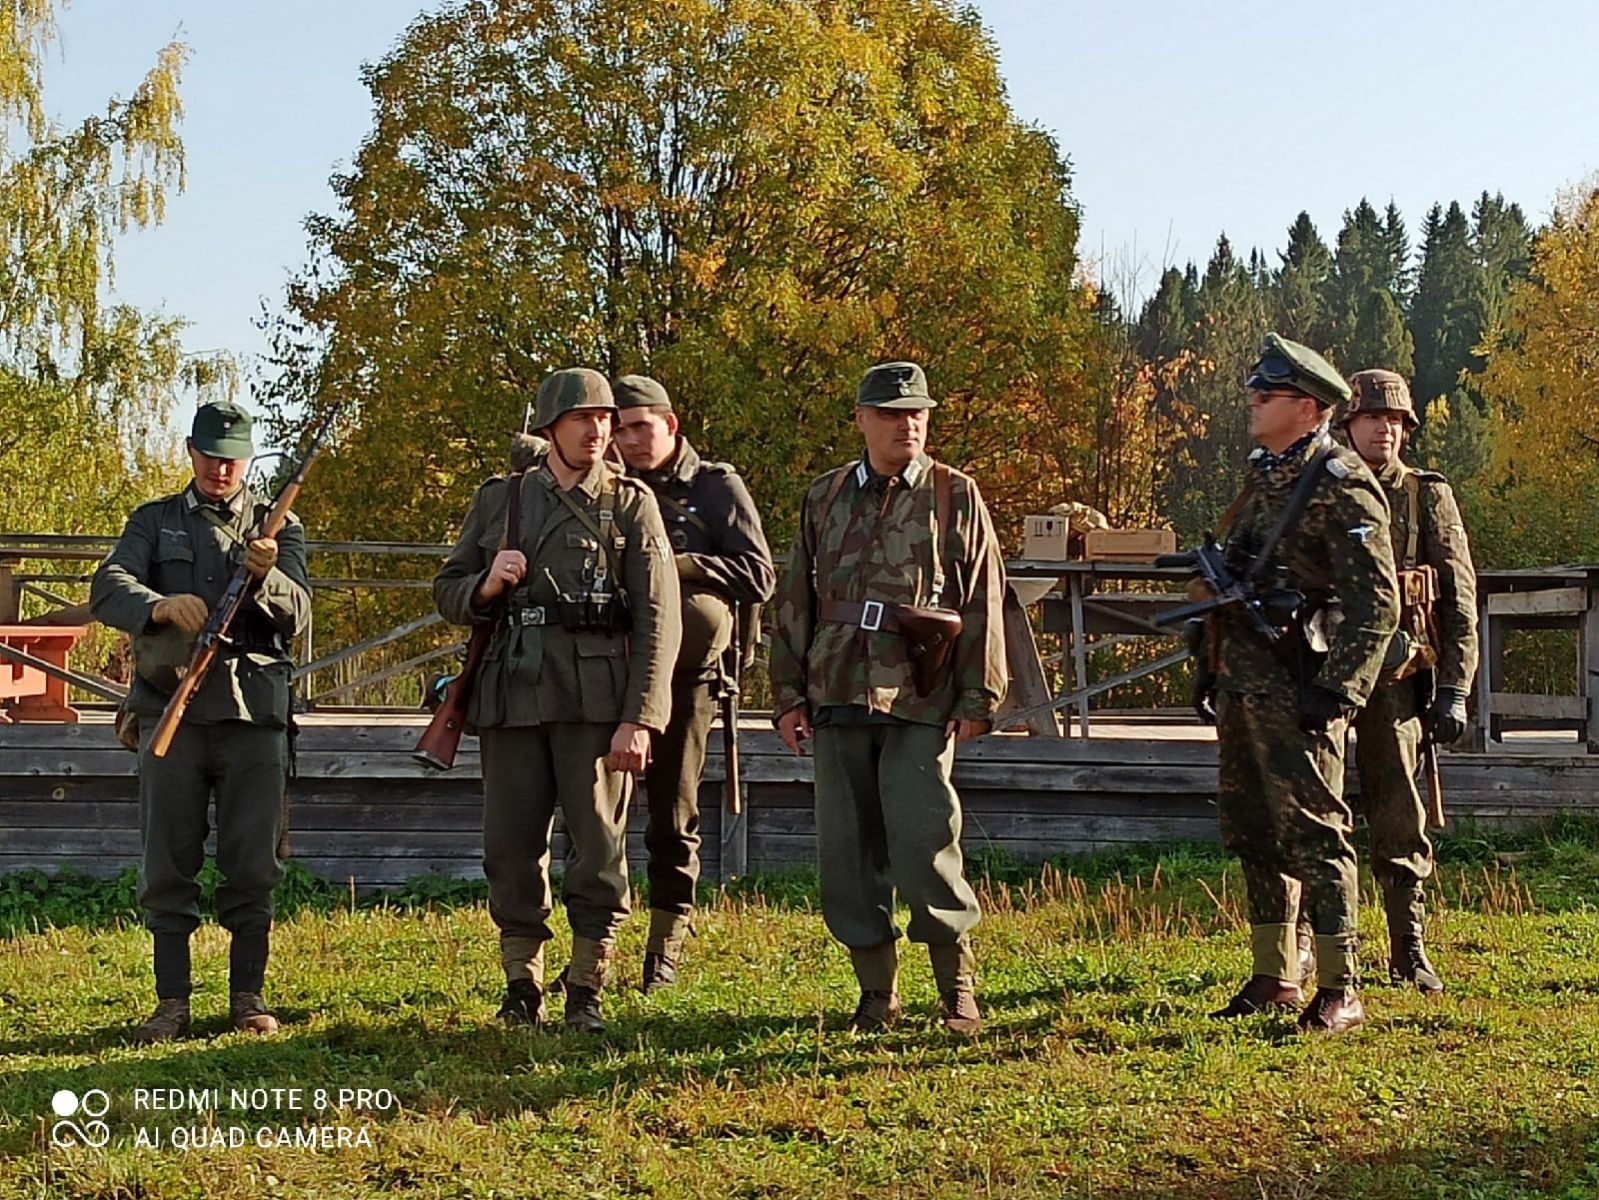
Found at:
<point>943,488</point>
<point>684,511</point>
<point>1236,507</point>
<point>603,529</point>
<point>1413,506</point>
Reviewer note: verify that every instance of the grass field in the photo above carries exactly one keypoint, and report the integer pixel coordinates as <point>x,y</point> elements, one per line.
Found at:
<point>1099,1073</point>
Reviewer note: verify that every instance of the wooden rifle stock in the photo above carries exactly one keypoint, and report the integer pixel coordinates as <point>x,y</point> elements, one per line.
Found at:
<point>730,693</point>
<point>215,633</point>
<point>1435,791</point>
<point>441,740</point>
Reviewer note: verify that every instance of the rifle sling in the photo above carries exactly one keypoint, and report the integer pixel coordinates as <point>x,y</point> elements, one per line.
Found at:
<point>684,511</point>
<point>1297,503</point>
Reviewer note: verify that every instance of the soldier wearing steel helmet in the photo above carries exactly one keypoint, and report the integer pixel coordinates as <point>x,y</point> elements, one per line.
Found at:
<point>576,679</point>
<point>1312,524</point>
<point>1436,641</point>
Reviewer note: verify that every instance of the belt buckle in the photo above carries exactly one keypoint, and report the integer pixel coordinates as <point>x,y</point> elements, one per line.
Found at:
<point>872,616</point>
<point>529,616</point>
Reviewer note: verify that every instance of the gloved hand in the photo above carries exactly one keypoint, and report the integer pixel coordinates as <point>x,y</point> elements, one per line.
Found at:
<point>1445,719</point>
<point>1398,653</point>
<point>260,556</point>
<point>1319,708</point>
<point>188,613</point>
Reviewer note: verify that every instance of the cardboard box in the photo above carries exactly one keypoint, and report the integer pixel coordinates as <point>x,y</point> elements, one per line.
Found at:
<point>1128,545</point>
<point>1048,538</point>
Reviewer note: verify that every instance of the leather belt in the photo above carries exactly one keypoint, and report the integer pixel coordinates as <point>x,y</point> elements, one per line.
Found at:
<point>872,615</point>
<point>538,615</point>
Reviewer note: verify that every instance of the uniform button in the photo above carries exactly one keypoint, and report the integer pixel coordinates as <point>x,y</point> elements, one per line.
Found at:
<point>210,578</point>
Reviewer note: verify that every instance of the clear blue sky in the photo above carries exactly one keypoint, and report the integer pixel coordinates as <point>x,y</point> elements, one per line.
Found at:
<point>1181,120</point>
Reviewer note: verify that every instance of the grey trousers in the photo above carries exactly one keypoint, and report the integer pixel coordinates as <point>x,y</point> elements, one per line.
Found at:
<point>246,768</point>
<point>672,780</point>
<point>527,771</point>
<point>887,820</point>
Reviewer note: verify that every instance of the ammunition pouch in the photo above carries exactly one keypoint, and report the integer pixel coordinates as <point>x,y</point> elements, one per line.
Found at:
<point>594,612</point>
<point>1412,649</point>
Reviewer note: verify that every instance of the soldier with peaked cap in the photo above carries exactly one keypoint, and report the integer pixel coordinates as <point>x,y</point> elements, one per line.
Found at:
<point>722,562</point>
<point>893,529</point>
<point>1311,522</point>
<point>159,583</point>
<point>574,682</point>
<point>1436,642</point>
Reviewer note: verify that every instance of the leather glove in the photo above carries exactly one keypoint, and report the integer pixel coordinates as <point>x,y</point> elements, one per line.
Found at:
<point>260,556</point>
<point>188,613</point>
<point>1445,718</point>
<point>1319,708</point>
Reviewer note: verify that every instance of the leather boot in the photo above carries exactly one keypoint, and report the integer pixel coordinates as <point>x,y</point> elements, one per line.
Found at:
<point>169,1021</point>
<point>585,979</point>
<point>668,932</point>
<point>1407,952</point>
<point>954,972</point>
<point>1261,993</point>
<point>877,971</point>
<point>1332,1010</point>
<point>1408,963</point>
<point>523,1004</point>
<point>249,1014</point>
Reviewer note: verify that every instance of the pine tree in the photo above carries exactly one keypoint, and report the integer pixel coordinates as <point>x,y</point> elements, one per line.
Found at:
<point>1297,299</point>
<point>1380,338</point>
<point>1449,312</point>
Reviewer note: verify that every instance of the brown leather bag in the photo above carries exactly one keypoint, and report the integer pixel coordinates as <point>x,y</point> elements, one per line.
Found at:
<point>929,635</point>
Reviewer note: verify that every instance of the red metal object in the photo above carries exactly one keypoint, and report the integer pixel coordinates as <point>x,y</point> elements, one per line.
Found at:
<point>27,693</point>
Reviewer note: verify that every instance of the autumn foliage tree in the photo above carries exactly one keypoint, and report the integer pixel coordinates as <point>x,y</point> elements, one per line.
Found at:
<point>75,370</point>
<point>752,200</point>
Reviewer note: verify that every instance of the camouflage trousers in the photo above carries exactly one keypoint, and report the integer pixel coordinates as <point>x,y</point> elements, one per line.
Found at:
<point>1387,753</point>
<point>1284,815</point>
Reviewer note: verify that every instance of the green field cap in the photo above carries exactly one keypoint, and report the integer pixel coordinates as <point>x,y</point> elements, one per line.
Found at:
<point>1283,363</point>
<point>894,385</point>
<point>223,430</point>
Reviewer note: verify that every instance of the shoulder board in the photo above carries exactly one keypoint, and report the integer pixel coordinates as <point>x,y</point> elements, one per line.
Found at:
<point>1338,468</point>
<point>1429,476</point>
<point>156,503</point>
<point>628,483</point>
<point>719,468</point>
<point>491,481</point>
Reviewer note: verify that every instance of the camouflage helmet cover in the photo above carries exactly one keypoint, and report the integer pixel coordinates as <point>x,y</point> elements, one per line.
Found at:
<point>568,390</point>
<point>1380,391</point>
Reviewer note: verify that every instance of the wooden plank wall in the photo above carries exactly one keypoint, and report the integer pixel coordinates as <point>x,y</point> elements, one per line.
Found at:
<point>363,810</point>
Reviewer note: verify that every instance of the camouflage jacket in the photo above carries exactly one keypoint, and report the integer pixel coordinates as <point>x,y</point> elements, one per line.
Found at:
<point>714,528</point>
<point>534,674</point>
<point>1338,554</point>
<point>172,546</point>
<point>876,541</point>
<point>1441,544</point>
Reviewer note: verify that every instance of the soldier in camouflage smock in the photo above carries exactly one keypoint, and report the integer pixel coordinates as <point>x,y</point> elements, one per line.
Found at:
<point>887,817</point>
<point>722,562</point>
<point>576,679</point>
<point>1436,643</point>
<point>1283,708</point>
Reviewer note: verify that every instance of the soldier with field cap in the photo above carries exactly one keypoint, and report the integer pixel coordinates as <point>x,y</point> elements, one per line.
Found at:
<point>574,683</point>
<point>724,568</point>
<point>159,583</point>
<point>890,533</point>
<point>1309,533</point>
<point>1435,646</point>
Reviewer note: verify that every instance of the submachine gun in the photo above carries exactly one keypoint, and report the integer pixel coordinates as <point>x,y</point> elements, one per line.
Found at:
<point>1268,614</point>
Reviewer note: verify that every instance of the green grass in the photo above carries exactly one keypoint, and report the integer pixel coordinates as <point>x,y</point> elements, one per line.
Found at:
<point>1099,1073</point>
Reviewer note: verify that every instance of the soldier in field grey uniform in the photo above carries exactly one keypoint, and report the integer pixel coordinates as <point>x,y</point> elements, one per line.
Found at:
<point>887,817</point>
<point>722,560</point>
<point>1283,707</point>
<point>574,683</point>
<point>1438,634</point>
<point>160,582</point>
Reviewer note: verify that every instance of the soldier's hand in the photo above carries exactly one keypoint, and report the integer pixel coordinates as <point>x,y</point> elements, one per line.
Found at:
<point>260,556</point>
<point>1319,708</point>
<point>188,613</point>
<point>630,748</point>
<point>1204,696</point>
<point>1446,717</point>
<point>504,573</point>
<point>964,729</point>
<point>794,727</point>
